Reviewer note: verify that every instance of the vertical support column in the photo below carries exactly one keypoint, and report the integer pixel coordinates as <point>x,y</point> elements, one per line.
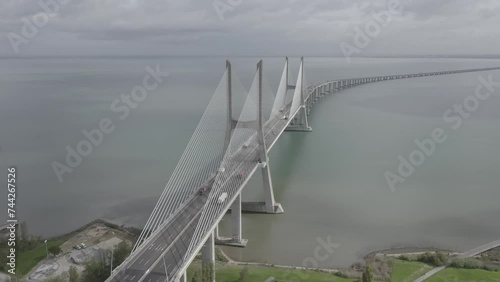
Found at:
<point>309,104</point>
<point>208,255</point>
<point>229,106</point>
<point>303,113</point>
<point>236,239</point>
<point>302,123</point>
<point>236,219</point>
<point>269,205</point>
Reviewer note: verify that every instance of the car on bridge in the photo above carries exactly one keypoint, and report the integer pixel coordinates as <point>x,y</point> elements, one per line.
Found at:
<point>202,190</point>
<point>222,198</point>
<point>240,175</point>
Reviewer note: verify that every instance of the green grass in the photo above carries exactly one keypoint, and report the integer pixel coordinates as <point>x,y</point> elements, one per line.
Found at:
<point>469,275</point>
<point>28,259</point>
<point>261,273</point>
<point>403,271</point>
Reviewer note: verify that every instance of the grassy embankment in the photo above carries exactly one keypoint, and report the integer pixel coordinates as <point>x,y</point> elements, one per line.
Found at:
<point>27,259</point>
<point>402,271</point>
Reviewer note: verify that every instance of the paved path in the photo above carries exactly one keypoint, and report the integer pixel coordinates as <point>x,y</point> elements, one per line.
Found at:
<point>468,254</point>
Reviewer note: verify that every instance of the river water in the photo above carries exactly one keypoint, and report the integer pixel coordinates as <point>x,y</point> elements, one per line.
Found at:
<point>330,182</point>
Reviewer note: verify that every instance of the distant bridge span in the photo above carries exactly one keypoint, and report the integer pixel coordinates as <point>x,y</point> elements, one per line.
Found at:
<point>219,160</point>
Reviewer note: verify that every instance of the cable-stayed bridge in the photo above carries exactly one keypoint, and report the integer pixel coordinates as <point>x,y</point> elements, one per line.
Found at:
<point>227,147</point>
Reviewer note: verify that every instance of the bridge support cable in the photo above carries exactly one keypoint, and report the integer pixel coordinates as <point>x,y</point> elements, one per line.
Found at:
<point>298,109</point>
<point>199,161</point>
<point>271,206</point>
<point>246,149</point>
<point>283,88</point>
<point>236,239</point>
<point>237,161</point>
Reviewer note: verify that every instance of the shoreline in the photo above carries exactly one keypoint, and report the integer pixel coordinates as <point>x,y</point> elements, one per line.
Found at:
<point>383,258</point>
<point>383,253</point>
<point>391,252</point>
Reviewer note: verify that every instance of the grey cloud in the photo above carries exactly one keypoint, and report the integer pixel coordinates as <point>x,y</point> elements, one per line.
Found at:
<point>255,27</point>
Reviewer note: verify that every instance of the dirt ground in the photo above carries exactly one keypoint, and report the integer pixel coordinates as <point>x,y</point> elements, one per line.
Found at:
<point>93,235</point>
<point>98,239</point>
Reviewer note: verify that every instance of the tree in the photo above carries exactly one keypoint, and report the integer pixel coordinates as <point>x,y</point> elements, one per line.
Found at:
<point>367,274</point>
<point>121,253</point>
<point>244,275</point>
<point>196,276</point>
<point>95,271</point>
<point>207,274</point>
<point>74,276</point>
<point>55,250</point>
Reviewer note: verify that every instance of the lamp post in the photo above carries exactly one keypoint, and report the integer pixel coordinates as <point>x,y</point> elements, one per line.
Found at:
<point>46,248</point>
<point>112,255</point>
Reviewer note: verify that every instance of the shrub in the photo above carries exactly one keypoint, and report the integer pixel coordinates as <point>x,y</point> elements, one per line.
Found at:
<point>436,259</point>
<point>468,263</point>
<point>55,250</point>
<point>367,274</point>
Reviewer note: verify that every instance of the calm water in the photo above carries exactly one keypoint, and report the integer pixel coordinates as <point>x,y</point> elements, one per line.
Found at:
<point>330,181</point>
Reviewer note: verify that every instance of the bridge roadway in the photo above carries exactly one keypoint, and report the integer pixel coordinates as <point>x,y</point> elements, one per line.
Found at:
<point>165,251</point>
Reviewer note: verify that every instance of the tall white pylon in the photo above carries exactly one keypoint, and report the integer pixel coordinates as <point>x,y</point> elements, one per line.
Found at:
<point>280,99</point>
<point>298,109</point>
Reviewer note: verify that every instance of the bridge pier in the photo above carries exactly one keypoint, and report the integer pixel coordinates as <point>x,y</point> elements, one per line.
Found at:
<point>208,255</point>
<point>236,240</point>
<point>301,123</point>
<point>269,205</point>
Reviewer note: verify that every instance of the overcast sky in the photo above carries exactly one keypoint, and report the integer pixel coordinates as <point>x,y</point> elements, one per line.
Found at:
<point>249,28</point>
